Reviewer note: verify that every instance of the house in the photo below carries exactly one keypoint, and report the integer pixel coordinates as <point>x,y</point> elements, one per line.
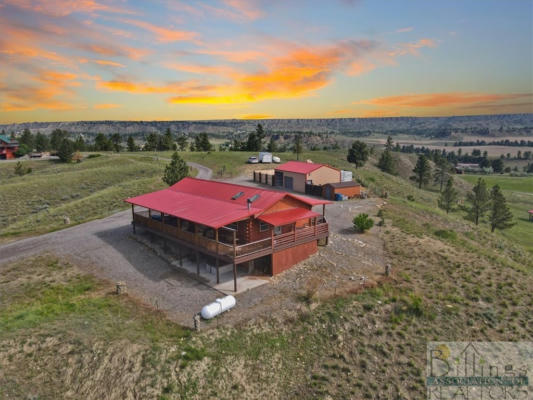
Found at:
<point>295,175</point>
<point>235,224</point>
<point>349,189</point>
<point>8,147</point>
<point>530,212</point>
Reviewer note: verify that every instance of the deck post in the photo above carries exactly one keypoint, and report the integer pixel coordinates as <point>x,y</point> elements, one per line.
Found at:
<point>234,256</point>
<point>133,217</point>
<point>316,219</point>
<point>196,249</point>
<point>181,256</point>
<point>216,259</point>
<point>272,238</point>
<point>294,227</point>
<point>149,213</point>
<point>323,210</point>
<point>234,277</point>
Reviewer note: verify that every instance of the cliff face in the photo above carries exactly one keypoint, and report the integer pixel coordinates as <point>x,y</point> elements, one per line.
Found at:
<point>493,125</point>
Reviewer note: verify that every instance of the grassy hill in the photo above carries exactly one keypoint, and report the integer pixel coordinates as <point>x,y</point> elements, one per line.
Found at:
<point>64,335</point>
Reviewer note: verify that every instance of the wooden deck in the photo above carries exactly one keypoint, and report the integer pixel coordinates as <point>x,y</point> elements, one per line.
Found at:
<point>232,252</point>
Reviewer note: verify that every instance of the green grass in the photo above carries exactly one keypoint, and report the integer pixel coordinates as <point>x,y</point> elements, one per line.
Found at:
<point>506,182</point>
<point>519,194</point>
<point>37,202</point>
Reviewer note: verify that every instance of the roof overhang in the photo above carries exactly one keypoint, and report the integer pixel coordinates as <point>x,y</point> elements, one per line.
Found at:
<point>286,217</point>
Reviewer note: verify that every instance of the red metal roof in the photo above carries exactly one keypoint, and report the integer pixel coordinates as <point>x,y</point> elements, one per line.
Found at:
<point>300,167</point>
<point>287,216</point>
<point>210,202</point>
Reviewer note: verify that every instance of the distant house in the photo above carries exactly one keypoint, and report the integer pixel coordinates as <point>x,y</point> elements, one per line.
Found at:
<point>530,215</point>
<point>8,147</point>
<point>461,168</point>
<point>234,224</point>
<point>295,175</point>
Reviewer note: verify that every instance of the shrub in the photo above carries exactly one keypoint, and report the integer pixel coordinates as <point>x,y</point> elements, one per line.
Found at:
<point>362,222</point>
<point>94,155</point>
<point>445,234</point>
<point>410,197</point>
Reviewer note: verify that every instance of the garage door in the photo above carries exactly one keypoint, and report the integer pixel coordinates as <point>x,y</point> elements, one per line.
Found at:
<point>288,182</point>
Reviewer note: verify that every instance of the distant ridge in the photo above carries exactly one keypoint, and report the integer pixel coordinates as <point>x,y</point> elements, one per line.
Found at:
<point>496,124</point>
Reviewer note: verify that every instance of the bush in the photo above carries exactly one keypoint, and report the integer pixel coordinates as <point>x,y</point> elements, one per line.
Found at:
<point>445,234</point>
<point>410,197</point>
<point>94,155</point>
<point>362,222</point>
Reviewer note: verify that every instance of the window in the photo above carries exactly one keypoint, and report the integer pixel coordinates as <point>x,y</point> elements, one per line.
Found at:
<point>263,226</point>
<point>277,230</point>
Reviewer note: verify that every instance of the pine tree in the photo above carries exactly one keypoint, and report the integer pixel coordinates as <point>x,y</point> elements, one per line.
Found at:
<point>151,142</point>
<point>272,145</point>
<point>176,170</point>
<point>115,141</point>
<point>358,153</point>
<point>260,134</point>
<point>442,172</point>
<point>65,151</point>
<point>422,171</point>
<point>298,146</point>
<point>41,142</point>
<point>390,144</point>
<point>27,139</point>
<point>182,142</point>
<point>448,198</point>
<point>479,201</point>
<point>500,216</point>
<point>387,163</point>
<point>130,143</point>
<point>79,145</point>
<point>168,140</point>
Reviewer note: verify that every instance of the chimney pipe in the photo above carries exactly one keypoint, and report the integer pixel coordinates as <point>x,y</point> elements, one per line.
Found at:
<point>249,203</point>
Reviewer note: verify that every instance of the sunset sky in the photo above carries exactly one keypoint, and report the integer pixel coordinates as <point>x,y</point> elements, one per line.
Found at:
<point>64,60</point>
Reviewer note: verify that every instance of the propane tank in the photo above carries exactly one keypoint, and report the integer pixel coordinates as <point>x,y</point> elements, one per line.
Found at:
<point>218,307</point>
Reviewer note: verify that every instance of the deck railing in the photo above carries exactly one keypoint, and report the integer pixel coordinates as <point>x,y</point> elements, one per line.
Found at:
<point>266,246</point>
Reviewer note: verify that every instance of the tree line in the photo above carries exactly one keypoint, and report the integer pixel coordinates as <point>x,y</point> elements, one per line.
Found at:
<point>503,142</point>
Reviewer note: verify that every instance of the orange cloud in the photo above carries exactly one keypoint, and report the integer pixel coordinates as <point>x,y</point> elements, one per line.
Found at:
<point>62,8</point>
<point>256,116</point>
<point>203,69</point>
<point>106,106</point>
<point>50,91</point>
<point>440,99</point>
<point>237,56</point>
<point>109,63</point>
<point>360,67</point>
<point>115,51</point>
<point>246,8</point>
<point>144,88</point>
<point>162,34</point>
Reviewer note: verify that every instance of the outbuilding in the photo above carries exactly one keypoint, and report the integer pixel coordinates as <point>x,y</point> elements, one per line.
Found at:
<point>349,189</point>
<point>296,175</point>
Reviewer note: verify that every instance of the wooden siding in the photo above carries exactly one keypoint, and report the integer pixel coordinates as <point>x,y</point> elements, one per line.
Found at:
<point>284,259</point>
<point>323,175</point>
